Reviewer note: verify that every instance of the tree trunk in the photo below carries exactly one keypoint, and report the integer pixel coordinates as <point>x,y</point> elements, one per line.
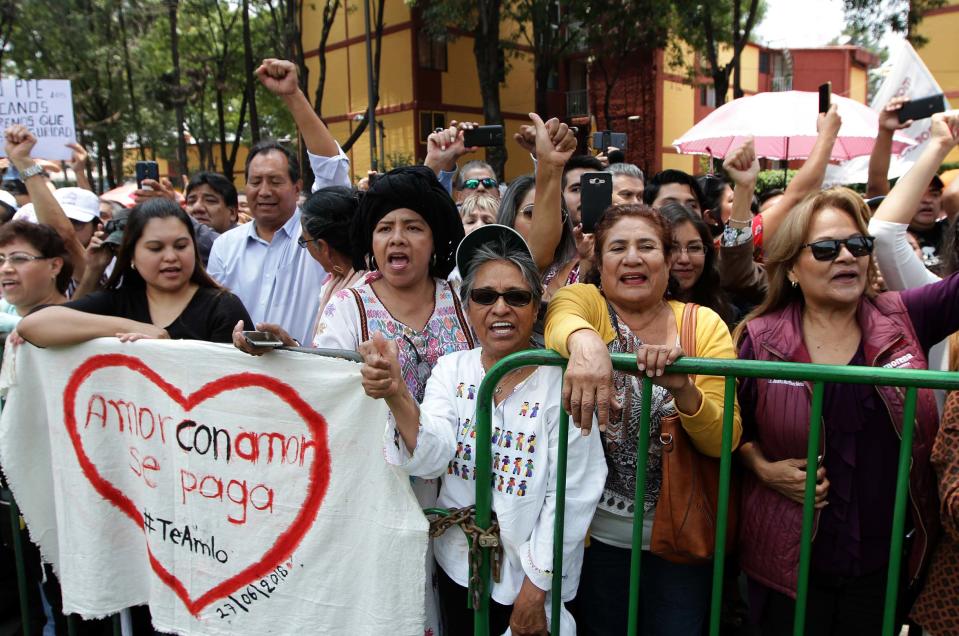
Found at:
<point>101,169</point>
<point>486,48</point>
<point>250,81</point>
<point>721,84</point>
<point>221,123</point>
<point>361,126</point>
<point>103,143</point>
<point>134,107</point>
<point>183,167</point>
<point>229,167</point>
<point>329,16</point>
<point>542,72</point>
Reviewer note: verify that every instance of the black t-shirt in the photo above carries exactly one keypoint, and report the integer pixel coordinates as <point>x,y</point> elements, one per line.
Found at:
<point>930,242</point>
<point>210,315</point>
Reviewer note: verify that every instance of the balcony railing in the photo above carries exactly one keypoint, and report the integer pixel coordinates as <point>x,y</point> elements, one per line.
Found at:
<point>782,83</point>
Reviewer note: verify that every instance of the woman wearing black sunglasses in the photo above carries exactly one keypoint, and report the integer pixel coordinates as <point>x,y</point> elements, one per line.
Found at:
<point>822,308</point>
<point>501,291</point>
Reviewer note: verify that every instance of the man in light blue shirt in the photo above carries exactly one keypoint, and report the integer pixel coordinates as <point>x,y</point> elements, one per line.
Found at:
<point>278,281</point>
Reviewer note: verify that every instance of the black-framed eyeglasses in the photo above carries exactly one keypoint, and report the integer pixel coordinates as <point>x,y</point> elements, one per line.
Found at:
<point>513,297</point>
<point>18,258</point>
<point>828,249</point>
<point>115,225</point>
<point>488,182</point>
<point>693,249</point>
<point>303,242</point>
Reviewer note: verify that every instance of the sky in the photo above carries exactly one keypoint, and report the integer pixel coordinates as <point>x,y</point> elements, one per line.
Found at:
<point>796,24</point>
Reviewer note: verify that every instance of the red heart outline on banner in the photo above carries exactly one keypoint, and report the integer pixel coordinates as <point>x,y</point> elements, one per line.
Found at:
<point>288,540</point>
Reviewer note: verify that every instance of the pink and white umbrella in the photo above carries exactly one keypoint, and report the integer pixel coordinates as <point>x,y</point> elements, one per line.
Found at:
<point>784,127</point>
<point>122,194</point>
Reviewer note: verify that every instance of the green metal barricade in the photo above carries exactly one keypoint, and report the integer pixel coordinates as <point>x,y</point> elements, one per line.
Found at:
<point>909,379</point>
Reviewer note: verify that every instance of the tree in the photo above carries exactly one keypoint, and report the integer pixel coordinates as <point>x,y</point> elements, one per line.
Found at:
<point>249,67</point>
<point>618,31</point>
<point>177,93</point>
<point>481,19</point>
<point>899,16</point>
<point>330,9</point>
<point>377,45</point>
<point>545,26</point>
<point>708,27</point>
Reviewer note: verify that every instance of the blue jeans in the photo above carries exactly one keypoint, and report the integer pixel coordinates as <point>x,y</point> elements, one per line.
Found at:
<point>673,598</point>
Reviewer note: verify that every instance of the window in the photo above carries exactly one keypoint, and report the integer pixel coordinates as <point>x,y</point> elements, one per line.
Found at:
<point>429,122</point>
<point>764,62</point>
<point>707,96</point>
<point>432,51</point>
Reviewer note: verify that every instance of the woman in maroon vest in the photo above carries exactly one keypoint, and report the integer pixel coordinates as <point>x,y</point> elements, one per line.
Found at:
<point>821,308</point>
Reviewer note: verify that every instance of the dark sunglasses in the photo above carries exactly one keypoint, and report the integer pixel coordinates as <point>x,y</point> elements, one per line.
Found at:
<point>487,182</point>
<point>513,297</point>
<point>828,249</point>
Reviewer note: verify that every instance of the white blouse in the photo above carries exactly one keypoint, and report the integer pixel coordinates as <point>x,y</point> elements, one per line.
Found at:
<point>525,441</point>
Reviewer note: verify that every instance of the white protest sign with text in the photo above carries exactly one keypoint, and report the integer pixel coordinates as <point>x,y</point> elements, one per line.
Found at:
<point>235,495</point>
<point>46,108</point>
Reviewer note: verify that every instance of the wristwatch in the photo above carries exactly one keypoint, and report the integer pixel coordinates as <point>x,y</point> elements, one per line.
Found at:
<point>32,171</point>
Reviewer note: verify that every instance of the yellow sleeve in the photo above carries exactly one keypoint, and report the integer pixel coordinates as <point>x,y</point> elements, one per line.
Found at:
<point>705,428</point>
<point>572,308</point>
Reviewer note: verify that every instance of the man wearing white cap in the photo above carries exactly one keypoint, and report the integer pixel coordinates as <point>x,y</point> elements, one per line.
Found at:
<point>8,206</point>
<point>81,206</point>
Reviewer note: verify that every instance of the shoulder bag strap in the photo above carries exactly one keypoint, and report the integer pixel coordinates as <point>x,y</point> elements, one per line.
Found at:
<point>467,330</point>
<point>364,329</point>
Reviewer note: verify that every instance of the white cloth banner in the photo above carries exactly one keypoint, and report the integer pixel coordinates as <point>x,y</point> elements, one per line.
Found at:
<point>46,108</point>
<point>908,77</point>
<point>235,495</point>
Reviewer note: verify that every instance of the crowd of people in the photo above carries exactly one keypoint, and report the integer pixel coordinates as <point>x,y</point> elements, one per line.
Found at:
<point>434,273</point>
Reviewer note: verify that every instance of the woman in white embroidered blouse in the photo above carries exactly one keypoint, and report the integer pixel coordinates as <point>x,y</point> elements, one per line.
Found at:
<point>501,290</point>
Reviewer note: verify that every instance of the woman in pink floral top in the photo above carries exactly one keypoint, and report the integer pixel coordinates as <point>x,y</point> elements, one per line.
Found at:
<point>405,232</point>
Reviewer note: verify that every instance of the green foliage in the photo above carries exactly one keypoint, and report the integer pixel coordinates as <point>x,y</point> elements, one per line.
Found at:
<point>899,16</point>
<point>398,160</point>
<point>92,46</point>
<point>772,180</point>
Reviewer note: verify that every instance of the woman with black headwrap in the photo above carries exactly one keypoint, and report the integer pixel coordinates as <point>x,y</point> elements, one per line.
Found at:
<point>405,233</point>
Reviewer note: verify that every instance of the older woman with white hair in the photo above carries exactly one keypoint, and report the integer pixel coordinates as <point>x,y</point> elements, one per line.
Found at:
<point>501,290</point>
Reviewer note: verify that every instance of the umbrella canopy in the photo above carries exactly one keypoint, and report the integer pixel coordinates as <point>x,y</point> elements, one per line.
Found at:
<point>784,127</point>
<point>121,194</point>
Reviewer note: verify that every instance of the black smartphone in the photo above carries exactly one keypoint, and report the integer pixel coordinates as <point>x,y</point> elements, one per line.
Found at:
<point>603,139</point>
<point>595,195</point>
<point>825,97</point>
<point>147,170</point>
<point>922,108</point>
<point>484,136</point>
<point>262,339</point>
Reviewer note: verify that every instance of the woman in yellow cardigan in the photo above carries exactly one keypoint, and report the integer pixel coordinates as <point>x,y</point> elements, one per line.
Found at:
<point>626,312</point>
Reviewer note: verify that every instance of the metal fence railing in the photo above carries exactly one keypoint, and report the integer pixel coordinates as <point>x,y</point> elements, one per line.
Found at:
<point>909,379</point>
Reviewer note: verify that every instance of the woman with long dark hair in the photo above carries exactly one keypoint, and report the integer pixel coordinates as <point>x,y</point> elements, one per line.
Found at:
<point>158,289</point>
<point>693,276</point>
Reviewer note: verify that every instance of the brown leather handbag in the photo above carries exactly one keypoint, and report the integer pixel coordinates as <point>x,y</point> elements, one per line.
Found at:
<point>684,528</point>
